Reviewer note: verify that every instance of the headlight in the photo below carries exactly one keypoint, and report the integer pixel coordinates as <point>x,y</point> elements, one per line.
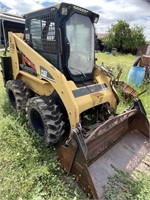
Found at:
<point>96,19</point>
<point>64,11</point>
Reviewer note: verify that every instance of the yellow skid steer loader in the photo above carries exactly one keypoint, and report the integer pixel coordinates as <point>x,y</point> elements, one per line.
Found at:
<point>51,75</point>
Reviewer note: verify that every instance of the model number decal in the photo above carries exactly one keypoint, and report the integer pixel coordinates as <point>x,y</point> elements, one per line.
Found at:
<point>45,74</point>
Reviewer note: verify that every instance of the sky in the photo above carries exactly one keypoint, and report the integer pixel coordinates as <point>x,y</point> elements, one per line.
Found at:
<point>134,12</point>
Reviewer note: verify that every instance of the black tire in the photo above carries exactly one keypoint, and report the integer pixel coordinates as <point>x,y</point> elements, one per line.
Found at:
<point>17,94</point>
<point>45,118</point>
<point>137,60</point>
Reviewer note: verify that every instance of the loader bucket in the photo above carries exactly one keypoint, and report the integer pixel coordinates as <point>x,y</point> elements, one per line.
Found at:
<point>121,141</point>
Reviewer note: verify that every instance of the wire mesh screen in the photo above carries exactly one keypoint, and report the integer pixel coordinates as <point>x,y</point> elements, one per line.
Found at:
<point>42,30</point>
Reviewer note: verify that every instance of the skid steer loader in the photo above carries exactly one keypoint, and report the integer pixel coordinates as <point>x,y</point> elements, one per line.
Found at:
<point>51,75</point>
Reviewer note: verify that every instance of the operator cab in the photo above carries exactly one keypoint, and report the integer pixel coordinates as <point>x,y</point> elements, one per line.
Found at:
<point>64,35</point>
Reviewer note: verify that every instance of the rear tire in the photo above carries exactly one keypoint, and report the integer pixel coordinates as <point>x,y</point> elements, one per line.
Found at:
<point>45,118</point>
<point>17,94</point>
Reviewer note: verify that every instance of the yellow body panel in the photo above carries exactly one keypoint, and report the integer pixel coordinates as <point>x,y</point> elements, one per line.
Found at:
<point>37,85</point>
<point>43,85</point>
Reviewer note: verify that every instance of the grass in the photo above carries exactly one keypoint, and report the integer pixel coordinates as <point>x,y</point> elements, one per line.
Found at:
<point>122,186</point>
<point>28,171</point>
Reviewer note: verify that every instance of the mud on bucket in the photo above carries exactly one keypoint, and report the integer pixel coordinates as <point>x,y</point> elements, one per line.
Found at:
<point>136,75</point>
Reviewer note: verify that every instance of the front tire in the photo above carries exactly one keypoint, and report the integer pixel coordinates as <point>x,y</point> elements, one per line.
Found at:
<point>45,118</point>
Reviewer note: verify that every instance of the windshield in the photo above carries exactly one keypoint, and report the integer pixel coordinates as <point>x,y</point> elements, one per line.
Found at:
<point>80,34</point>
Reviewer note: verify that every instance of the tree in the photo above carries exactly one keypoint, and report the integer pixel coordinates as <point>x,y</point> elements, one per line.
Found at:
<point>137,37</point>
<point>124,38</point>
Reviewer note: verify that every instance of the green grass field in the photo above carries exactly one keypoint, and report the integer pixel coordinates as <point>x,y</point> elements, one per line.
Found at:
<point>28,171</point>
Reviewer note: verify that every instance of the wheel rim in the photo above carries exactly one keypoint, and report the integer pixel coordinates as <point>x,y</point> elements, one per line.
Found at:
<point>37,122</point>
<point>12,99</point>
